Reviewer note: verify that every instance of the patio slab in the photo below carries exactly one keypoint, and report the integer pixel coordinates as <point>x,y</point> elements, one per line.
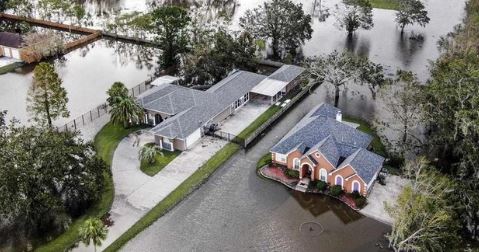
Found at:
<point>245,115</point>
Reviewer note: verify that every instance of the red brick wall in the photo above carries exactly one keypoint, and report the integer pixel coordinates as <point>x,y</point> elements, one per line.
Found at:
<point>347,184</point>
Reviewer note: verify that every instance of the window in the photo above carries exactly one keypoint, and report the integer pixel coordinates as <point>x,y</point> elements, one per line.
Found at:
<point>339,180</point>
<point>356,187</point>
<point>323,175</point>
<point>280,158</point>
<point>296,163</point>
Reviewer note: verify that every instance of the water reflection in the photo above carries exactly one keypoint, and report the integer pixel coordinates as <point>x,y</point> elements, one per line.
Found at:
<point>86,73</point>
<point>319,204</point>
<point>409,45</point>
<point>357,46</point>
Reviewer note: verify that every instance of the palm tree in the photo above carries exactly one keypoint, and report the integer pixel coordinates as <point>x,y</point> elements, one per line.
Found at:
<point>93,231</point>
<point>148,153</point>
<point>126,111</point>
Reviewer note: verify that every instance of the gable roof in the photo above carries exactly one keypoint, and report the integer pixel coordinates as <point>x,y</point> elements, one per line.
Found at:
<point>366,163</point>
<point>191,108</point>
<point>9,39</point>
<point>287,73</point>
<point>336,141</point>
<point>318,125</point>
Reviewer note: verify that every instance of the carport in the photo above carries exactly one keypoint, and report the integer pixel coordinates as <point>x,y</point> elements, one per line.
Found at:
<point>269,90</point>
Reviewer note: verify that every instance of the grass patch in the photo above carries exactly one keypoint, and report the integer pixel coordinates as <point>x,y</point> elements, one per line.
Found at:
<point>181,192</point>
<point>259,121</point>
<point>385,4</point>
<point>105,143</point>
<point>264,160</point>
<point>162,159</point>
<point>9,68</point>
<point>376,144</point>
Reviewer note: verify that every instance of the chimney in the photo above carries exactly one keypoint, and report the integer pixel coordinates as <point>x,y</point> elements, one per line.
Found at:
<point>339,117</point>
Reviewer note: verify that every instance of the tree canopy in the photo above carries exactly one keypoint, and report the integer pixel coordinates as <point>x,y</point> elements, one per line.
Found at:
<point>170,25</point>
<point>354,14</point>
<point>47,178</point>
<point>342,69</point>
<point>423,216</point>
<point>47,99</point>
<point>411,12</point>
<point>214,58</point>
<point>282,22</point>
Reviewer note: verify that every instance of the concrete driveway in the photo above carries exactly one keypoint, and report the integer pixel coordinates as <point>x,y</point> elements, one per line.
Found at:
<point>243,117</point>
<point>136,193</point>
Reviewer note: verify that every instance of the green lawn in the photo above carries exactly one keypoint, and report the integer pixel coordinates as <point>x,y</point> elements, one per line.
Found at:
<point>105,142</point>
<point>181,192</point>
<point>264,160</point>
<point>364,126</point>
<point>259,121</point>
<point>385,4</point>
<point>162,160</point>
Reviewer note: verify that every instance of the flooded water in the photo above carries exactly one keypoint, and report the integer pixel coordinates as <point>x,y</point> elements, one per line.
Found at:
<point>238,211</point>
<point>383,43</point>
<point>87,73</point>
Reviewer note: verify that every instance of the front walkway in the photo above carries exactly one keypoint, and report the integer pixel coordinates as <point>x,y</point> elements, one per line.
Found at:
<point>243,117</point>
<point>136,193</point>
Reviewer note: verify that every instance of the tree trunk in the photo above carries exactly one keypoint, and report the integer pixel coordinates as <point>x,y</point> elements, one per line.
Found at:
<point>336,96</point>
<point>275,48</point>
<point>47,110</point>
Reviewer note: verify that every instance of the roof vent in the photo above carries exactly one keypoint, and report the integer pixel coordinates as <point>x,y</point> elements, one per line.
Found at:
<point>339,116</point>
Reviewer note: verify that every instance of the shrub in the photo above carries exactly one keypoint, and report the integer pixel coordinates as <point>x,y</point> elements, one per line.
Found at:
<point>355,195</point>
<point>336,190</point>
<point>381,179</point>
<point>360,201</point>
<point>292,173</point>
<point>321,185</point>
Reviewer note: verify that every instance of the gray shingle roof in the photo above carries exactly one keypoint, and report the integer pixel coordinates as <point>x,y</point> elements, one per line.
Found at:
<point>319,130</point>
<point>193,108</point>
<point>287,73</point>
<point>170,99</point>
<point>317,126</point>
<point>234,86</point>
<point>9,39</point>
<point>367,164</point>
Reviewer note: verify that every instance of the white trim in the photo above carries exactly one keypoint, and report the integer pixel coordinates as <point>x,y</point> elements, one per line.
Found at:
<point>294,164</point>
<point>354,170</point>
<point>342,181</point>
<point>310,167</point>
<point>326,173</point>
<point>359,187</point>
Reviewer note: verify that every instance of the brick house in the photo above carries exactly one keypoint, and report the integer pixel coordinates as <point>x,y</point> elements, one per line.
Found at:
<point>324,147</point>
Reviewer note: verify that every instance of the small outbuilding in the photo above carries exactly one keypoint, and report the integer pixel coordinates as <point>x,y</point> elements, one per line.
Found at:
<point>10,44</point>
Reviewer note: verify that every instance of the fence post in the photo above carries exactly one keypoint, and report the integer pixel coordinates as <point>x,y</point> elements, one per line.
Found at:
<point>83,119</point>
<point>98,109</point>
<point>75,124</point>
<point>91,117</point>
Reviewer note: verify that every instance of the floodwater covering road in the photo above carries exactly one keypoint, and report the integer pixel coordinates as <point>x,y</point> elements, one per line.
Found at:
<point>238,211</point>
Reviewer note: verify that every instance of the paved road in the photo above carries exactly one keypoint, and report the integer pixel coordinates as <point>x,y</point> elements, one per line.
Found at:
<point>238,211</point>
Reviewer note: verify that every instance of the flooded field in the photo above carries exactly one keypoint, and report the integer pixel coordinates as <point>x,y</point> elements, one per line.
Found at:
<point>87,73</point>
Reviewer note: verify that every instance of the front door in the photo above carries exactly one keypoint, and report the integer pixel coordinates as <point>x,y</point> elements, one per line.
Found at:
<point>158,119</point>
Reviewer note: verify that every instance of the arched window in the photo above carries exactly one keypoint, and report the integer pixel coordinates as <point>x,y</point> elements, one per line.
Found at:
<point>356,186</point>
<point>339,180</point>
<point>323,175</point>
<point>296,163</point>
